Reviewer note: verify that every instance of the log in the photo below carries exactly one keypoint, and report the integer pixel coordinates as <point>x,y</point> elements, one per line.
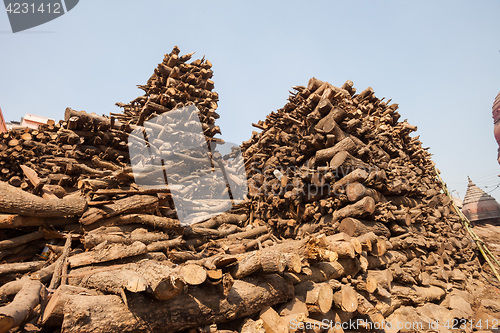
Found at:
<point>107,252</point>
<point>344,249</point>
<point>193,274</point>
<point>357,191</point>
<point>14,314</point>
<point>17,241</point>
<point>96,237</point>
<point>354,227</point>
<point>346,299</point>
<point>131,204</point>
<point>159,279</point>
<point>365,206</point>
<point>272,322</point>
<point>345,163</point>
<point>20,267</point>
<point>358,175</point>
<point>345,145</point>
<point>17,201</point>
<point>11,221</point>
<point>54,311</point>
<point>165,245</point>
<point>267,260</point>
<point>317,296</point>
<point>202,306</point>
<point>149,220</point>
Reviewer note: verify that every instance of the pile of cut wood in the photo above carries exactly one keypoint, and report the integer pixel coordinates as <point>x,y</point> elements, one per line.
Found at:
<point>345,227</point>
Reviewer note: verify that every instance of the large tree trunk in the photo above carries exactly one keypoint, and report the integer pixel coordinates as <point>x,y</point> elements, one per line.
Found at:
<point>202,306</point>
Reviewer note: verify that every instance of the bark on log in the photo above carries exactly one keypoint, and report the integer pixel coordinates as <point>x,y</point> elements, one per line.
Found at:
<point>354,227</point>
<point>346,299</point>
<point>17,201</point>
<point>17,241</point>
<point>317,296</point>
<point>159,279</point>
<point>127,205</point>
<point>365,206</point>
<point>358,175</point>
<point>95,237</point>
<point>107,252</point>
<point>345,145</point>
<point>149,220</point>
<point>53,313</point>
<point>357,191</point>
<point>24,303</point>
<point>201,306</point>
<point>12,221</point>
<point>347,163</point>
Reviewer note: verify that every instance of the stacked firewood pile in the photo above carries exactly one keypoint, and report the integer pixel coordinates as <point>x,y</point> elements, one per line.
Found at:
<point>344,221</point>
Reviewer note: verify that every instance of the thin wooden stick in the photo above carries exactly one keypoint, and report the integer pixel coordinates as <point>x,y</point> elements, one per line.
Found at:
<point>481,245</point>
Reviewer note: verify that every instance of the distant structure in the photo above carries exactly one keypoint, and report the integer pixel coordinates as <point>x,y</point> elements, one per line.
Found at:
<point>3,125</point>
<point>33,121</point>
<point>479,206</point>
<point>29,120</point>
<point>496,119</point>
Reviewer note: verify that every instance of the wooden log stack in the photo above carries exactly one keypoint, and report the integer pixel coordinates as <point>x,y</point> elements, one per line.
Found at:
<point>344,221</point>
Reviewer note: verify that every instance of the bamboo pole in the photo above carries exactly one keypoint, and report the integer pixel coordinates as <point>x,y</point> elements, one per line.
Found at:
<point>481,245</point>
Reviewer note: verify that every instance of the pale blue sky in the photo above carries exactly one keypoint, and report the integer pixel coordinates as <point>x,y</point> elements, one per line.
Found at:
<point>440,60</point>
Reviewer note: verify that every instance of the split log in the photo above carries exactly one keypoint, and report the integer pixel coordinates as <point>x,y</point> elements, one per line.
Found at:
<point>404,201</point>
<point>323,271</point>
<point>346,299</point>
<point>17,201</point>
<point>272,322</point>
<point>317,296</point>
<point>61,264</point>
<point>343,249</point>
<point>384,278</point>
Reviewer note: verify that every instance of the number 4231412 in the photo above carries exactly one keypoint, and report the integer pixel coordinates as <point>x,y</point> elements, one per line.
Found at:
<point>31,8</point>
<point>464,324</point>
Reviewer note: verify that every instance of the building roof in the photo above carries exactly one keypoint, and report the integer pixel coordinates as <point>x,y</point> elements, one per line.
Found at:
<point>479,205</point>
